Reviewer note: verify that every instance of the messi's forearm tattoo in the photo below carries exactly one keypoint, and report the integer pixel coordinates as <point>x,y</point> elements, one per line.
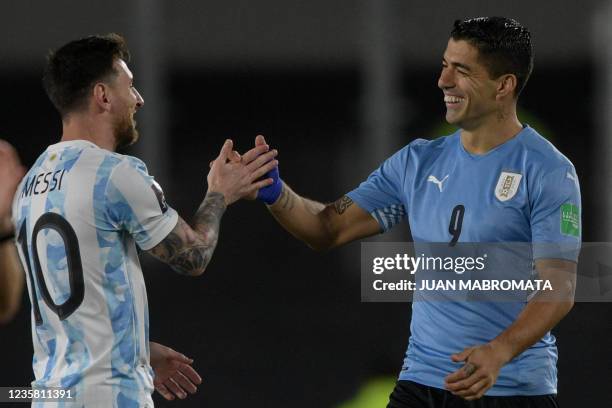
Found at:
<point>189,251</point>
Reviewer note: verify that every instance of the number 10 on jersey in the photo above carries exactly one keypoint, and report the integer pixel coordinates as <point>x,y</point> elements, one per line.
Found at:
<point>73,257</point>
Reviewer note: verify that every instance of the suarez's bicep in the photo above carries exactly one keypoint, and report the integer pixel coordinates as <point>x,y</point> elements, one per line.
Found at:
<point>379,200</point>
<point>349,222</point>
<point>556,214</point>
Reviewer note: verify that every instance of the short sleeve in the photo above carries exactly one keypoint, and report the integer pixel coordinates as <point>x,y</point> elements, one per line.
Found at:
<point>135,203</point>
<point>556,225</point>
<point>381,194</point>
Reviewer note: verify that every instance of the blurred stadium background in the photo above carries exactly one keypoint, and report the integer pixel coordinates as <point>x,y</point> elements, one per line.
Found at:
<point>336,86</point>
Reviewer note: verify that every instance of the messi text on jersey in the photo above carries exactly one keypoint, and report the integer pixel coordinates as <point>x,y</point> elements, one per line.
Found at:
<point>43,183</point>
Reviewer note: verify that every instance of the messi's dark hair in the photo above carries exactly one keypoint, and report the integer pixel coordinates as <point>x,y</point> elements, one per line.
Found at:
<point>73,69</point>
<point>503,44</point>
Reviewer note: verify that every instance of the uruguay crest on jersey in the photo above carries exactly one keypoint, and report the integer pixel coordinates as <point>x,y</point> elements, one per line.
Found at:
<point>507,185</point>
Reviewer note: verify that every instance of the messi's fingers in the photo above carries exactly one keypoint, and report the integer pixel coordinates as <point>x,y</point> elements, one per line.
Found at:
<point>189,372</point>
<point>235,157</point>
<point>175,388</point>
<point>226,150</point>
<point>164,392</point>
<point>184,383</point>
<point>175,355</point>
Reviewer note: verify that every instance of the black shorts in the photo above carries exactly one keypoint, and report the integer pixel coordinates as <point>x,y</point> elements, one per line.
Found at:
<point>408,394</point>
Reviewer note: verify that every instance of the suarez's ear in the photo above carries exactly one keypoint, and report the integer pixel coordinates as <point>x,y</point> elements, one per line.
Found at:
<point>506,85</point>
<point>101,97</point>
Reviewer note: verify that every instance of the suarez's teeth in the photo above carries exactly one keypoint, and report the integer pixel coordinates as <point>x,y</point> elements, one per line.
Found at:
<point>452,99</point>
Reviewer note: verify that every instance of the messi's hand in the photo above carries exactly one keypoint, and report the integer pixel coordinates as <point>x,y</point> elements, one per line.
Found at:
<point>174,376</point>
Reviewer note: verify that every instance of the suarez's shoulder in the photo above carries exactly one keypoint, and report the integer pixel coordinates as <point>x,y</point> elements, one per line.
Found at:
<point>541,153</point>
<point>425,147</point>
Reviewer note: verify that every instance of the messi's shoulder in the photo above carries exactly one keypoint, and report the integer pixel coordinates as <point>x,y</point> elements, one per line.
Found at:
<point>81,155</point>
<point>542,152</point>
<point>135,163</point>
<point>108,165</point>
<point>116,162</point>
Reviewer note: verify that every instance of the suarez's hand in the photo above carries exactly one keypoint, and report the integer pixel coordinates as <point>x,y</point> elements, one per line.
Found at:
<point>479,373</point>
<point>174,375</point>
<point>269,194</point>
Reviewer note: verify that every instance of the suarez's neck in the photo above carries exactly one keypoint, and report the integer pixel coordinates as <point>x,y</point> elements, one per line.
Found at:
<point>490,133</point>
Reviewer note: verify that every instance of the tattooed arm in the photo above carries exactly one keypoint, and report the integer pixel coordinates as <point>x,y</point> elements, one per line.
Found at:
<point>189,250</point>
<point>322,226</point>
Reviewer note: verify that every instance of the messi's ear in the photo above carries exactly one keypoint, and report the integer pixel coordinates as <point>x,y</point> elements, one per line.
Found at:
<point>101,97</point>
<point>507,83</point>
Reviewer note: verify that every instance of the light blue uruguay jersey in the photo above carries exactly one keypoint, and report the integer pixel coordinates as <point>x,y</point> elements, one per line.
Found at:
<point>522,191</point>
<point>79,214</point>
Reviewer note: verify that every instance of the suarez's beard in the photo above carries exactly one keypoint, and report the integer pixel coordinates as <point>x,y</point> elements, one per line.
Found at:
<point>125,132</point>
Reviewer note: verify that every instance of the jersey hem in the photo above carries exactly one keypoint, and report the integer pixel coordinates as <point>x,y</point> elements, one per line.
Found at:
<point>491,392</point>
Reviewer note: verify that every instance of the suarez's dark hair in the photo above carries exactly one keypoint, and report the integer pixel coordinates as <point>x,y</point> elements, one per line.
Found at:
<point>504,46</point>
<point>72,70</point>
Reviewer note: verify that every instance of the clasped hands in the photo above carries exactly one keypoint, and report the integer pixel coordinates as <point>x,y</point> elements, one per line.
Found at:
<point>253,175</point>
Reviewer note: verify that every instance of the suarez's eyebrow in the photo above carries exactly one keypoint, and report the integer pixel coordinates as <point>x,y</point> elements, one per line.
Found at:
<point>457,65</point>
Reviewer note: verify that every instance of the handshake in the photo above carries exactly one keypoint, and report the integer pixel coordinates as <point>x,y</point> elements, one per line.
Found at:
<point>254,175</point>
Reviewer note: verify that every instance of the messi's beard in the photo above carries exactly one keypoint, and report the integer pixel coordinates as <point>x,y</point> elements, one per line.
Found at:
<point>125,132</point>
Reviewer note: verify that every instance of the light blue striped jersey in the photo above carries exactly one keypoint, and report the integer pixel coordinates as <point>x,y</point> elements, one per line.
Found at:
<point>79,213</point>
<point>524,190</point>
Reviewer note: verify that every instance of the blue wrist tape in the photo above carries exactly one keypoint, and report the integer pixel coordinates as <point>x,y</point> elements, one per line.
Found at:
<point>270,194</point>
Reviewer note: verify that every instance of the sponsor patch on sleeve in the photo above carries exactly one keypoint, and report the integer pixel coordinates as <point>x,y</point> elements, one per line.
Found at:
<point>160,197</point>
<point>570,220</point>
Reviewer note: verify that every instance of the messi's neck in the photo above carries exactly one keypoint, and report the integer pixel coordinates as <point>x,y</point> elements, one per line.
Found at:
<point>77,126</point>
